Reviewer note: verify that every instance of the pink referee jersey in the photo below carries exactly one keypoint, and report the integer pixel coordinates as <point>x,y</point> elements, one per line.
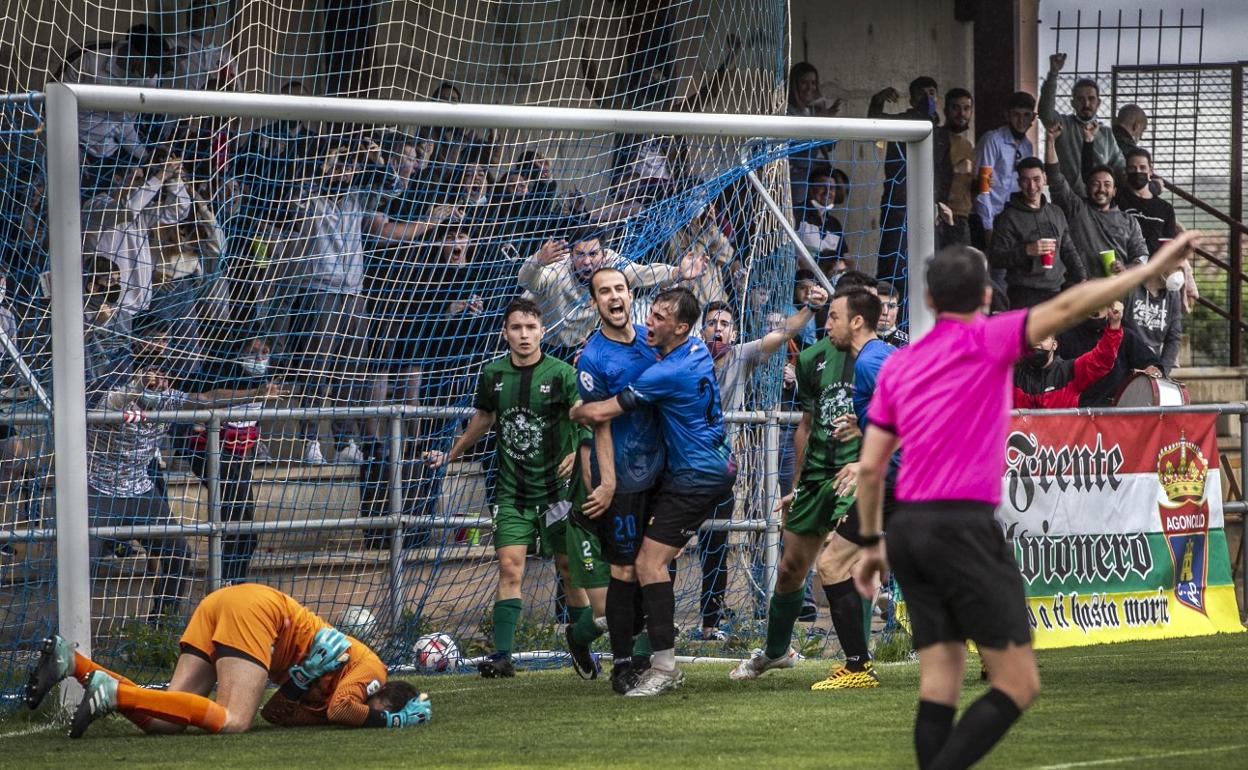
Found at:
<point>947,397</point>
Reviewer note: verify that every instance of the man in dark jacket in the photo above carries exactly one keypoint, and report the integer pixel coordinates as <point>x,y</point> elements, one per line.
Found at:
<point>1044,381</point>
<point>1031,242</point>
<point>1096,224</point>
<point>1133,356</point>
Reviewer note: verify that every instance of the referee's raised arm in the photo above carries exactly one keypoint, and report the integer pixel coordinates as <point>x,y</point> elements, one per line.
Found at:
<point>1075,304</point>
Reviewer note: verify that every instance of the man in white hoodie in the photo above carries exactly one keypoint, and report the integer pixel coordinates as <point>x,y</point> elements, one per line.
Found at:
<point>558,278</point>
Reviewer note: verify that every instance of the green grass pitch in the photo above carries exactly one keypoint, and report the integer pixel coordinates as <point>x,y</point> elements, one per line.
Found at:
<point>1172,704</point>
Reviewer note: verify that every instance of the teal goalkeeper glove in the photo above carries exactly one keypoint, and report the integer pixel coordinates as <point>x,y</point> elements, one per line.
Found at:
<point>328,653</point>
<point>417,711</point>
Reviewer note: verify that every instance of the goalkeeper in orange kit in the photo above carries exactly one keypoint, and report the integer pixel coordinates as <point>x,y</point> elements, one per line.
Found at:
<point>240,639</point>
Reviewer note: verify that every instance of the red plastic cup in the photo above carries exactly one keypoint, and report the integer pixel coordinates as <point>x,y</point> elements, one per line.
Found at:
<point>1046,260</point>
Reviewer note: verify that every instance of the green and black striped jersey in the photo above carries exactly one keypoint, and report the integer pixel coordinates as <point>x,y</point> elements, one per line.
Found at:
<point>825,391</point>
<point>530,407</point>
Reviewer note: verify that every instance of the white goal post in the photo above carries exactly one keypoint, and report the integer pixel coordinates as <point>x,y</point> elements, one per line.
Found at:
<point>63,102</point>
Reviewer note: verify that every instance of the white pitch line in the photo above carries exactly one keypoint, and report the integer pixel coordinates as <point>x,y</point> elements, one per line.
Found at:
<point>28,731</point>
<point>1140,757</point>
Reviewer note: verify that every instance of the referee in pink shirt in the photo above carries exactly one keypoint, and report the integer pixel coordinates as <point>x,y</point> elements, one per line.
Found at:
<point>944,401</point>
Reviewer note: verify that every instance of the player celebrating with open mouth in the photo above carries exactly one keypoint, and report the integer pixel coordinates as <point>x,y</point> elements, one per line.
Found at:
<point>698,474</point>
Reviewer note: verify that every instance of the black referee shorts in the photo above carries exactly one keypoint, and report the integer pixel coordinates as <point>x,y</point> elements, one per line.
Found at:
<point>957,574</point>
<point>676,515</point>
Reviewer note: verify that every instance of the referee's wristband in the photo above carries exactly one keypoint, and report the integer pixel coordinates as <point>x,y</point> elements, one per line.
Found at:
<point>869,540</point>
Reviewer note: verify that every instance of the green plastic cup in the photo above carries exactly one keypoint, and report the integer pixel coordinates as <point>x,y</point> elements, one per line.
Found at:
<point>1108,257</point>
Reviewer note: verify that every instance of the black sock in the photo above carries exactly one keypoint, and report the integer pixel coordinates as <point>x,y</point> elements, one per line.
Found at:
<point>845,608</point>
<point>639,611</point>
<point>979,729</point>
<point>931,729</point>
<point>620,617</point>
<point>660,601</point>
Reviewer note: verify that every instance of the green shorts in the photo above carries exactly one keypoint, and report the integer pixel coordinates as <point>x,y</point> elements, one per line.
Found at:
<point>585,562</point>
<point>530,527</point>
<point>816,509</point>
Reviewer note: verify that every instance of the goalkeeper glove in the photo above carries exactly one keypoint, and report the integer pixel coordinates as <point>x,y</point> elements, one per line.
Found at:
<point>417,711</point>
<point>328,653</point>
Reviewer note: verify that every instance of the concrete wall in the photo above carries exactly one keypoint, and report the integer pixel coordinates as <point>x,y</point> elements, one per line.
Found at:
<point>861,48</point>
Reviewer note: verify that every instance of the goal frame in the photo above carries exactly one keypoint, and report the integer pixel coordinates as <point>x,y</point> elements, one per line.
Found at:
<point>63,102</point>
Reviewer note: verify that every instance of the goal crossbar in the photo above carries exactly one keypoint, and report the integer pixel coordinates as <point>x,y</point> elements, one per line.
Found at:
<point>63,102</point>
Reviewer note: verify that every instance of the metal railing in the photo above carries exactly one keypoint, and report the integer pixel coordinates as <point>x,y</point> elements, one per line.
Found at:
<point>396,521</point>
<point>1236,279</point>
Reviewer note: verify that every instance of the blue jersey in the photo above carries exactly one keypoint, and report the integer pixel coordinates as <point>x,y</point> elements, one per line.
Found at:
<point>683,387</point>
<point>866,374</point>
<point>607,367</point>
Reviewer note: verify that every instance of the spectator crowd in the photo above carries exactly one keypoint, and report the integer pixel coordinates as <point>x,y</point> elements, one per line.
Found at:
<point>340,266</point>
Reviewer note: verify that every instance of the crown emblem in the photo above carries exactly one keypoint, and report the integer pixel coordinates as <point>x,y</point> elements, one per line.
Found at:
<point>1182,469</point>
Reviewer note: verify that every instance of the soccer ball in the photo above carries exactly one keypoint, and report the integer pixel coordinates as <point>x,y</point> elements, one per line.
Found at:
<point>436,652</point>
<point>357,621</point>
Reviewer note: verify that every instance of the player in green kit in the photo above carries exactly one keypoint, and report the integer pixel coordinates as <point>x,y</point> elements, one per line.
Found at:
<point>525,397</point>
<point>827,439</point>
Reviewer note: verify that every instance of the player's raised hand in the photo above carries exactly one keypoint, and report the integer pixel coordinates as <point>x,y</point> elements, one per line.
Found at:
<point>871,570</point>
<point>328,653</point>
<point>417,711</point>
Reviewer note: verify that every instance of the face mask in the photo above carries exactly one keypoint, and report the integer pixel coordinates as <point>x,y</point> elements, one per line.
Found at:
<point>1097,324</point>
<point>1176,281</point>
<point>149,399</point>
<point>1138,180</point>
<point>1039,358</point>
<point>822,207</point>
<point>254,366</point>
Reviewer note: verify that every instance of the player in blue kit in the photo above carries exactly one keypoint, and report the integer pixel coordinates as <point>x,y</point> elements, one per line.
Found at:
<point>624,466</point>
<point>698,473</point>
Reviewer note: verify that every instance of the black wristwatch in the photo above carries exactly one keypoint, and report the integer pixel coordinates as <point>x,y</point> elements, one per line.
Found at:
<point>866,541</point>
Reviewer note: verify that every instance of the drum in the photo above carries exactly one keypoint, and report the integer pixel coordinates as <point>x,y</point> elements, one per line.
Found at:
<point>1142,390</point>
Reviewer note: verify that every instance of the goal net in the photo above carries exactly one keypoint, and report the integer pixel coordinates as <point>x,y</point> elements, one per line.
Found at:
<point>360,269</point>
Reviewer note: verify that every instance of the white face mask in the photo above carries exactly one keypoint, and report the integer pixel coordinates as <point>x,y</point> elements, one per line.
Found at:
<point>255,366</point>
<point>1176,281</point>
<point>822,207</point>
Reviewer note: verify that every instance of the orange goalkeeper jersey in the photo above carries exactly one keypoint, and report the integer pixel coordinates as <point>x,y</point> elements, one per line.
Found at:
<point>339,698</point>
<point>261,622</point>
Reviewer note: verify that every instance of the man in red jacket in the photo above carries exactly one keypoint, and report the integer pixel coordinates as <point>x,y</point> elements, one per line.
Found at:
<point>1044,381</point>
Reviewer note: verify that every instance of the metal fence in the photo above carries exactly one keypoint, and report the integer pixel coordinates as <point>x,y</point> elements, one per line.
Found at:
<point>214,528</point>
